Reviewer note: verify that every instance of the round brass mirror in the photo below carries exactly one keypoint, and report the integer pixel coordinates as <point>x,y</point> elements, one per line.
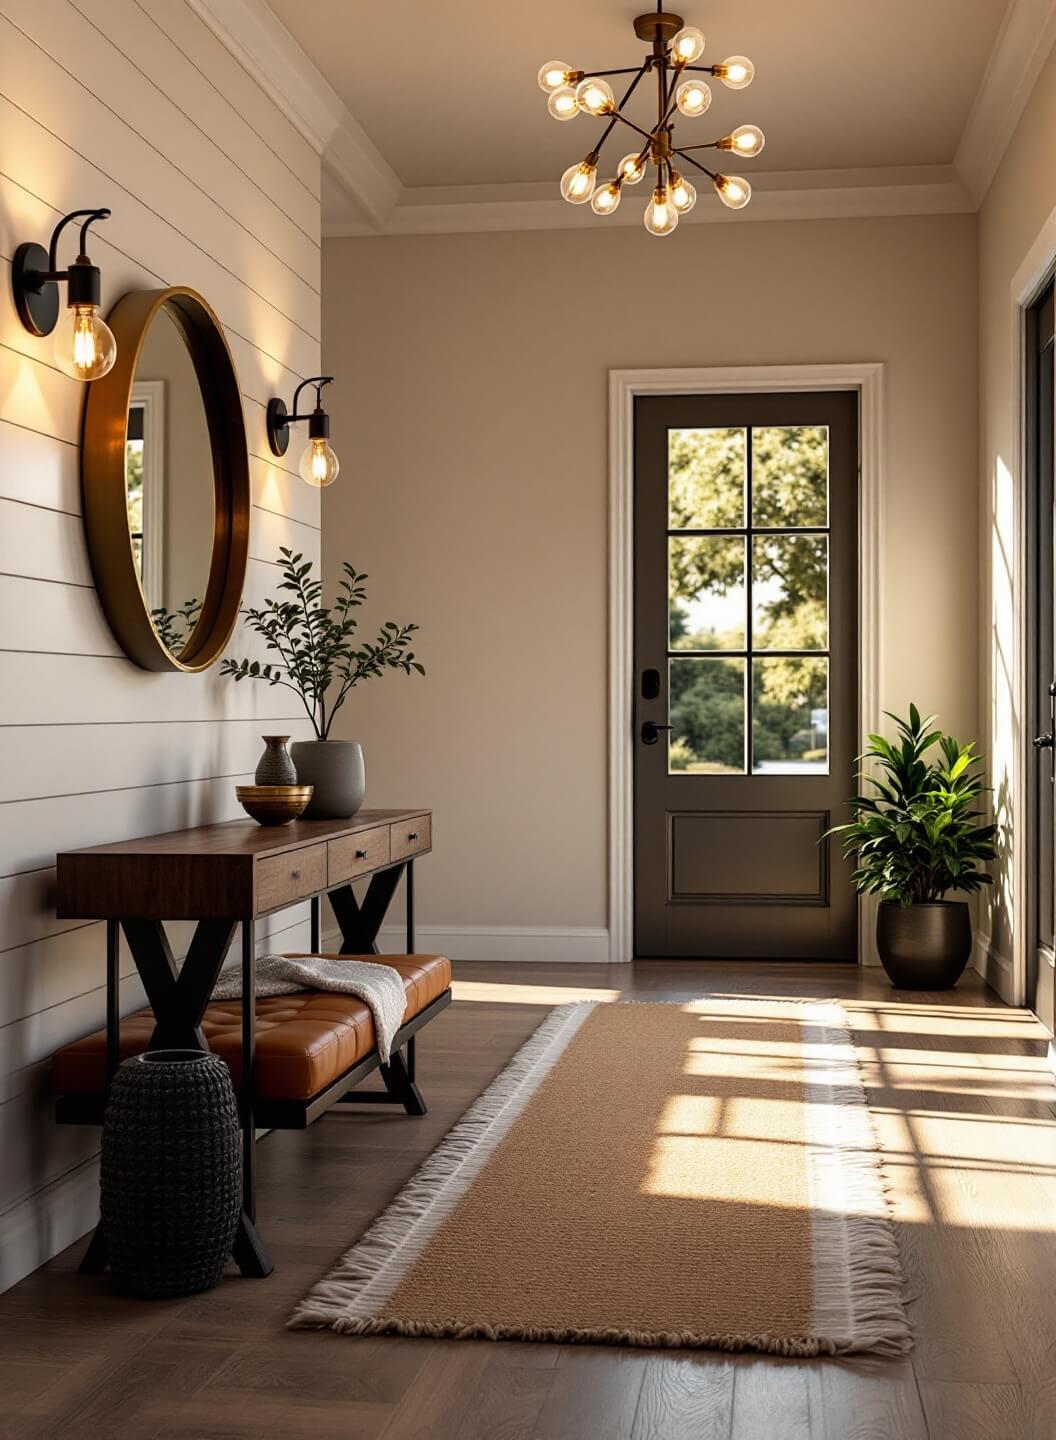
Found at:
<point>165,476</point>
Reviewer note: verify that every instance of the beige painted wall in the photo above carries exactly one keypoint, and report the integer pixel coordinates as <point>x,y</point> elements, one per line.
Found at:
<point>96,107</point>
<point>1017,212</point>
<point>471,419</point>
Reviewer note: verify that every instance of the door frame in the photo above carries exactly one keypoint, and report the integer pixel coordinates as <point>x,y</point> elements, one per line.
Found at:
<point>865,377</point>
<point>1007,974</point>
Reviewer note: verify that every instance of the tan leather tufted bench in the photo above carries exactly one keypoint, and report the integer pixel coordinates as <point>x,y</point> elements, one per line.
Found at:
<point>307,1044</point>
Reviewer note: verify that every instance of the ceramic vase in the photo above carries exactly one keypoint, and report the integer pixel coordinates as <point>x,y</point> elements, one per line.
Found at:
<point>275,766</point>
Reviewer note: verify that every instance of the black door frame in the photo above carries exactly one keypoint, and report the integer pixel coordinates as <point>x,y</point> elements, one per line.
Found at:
<point>1037,674</point>
<point>867,378</point>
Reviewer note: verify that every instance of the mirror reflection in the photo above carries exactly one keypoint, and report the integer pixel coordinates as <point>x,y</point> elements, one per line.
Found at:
<point>169,482</point>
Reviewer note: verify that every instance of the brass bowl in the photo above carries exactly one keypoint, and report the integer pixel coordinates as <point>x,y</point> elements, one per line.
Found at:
<point>273,804</point>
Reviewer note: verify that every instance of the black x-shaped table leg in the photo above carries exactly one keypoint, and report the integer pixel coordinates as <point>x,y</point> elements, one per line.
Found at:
<point>360,923</point>
<point>178,998</point>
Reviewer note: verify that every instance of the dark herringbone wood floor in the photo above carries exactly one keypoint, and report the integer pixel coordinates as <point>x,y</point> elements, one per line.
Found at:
<point>966,1111</point>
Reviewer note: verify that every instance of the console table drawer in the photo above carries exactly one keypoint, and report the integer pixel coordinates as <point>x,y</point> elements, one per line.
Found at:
<point>281,879</point>
<point>354,855</point>
<point>410,837</point>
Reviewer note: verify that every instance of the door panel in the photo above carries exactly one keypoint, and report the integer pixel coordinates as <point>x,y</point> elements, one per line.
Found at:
<point>746,673</point>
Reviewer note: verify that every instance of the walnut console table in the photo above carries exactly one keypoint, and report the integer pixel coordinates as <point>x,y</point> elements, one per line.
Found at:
<point>225,877</point>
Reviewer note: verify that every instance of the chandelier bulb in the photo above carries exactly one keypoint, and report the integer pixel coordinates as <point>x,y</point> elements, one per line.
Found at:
<point>631,168</point>
<point>606,198</point>
<point>736,72</point>
<point>746,140</point>
<point>595,96</point>
<point>562,103</point>
<point>693,97</point>
<point>733,190</point>
<point>683,194</point>
<point>660,217</point>
<point>577,183</point>
<point>554,74</point>
<point>688,45</point>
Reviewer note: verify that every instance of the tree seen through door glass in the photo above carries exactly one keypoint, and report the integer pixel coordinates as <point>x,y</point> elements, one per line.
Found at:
<point>706,592</point>
<point>707,715</point>
<point>707,474</point>
<point>761,520</point>
<point>790,592</point>
<point>790,715</point>
<point>790,476</point>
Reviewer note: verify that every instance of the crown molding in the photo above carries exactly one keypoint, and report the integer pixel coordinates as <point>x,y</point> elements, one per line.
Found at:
<point>1022,48</point>
<point>796,195</point>
<point>263,46</point>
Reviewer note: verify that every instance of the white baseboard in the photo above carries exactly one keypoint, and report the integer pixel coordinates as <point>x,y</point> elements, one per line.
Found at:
<point>519,944</point>
<point>995,969</point>
<point>45,1222</point>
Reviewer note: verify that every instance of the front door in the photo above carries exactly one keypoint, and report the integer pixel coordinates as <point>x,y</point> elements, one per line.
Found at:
<point>746,704</point>
<point>1041,953</point>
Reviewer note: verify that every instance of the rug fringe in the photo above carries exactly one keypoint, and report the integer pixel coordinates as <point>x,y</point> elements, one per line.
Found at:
<point>858,1302</point>
<point>370,1271</point>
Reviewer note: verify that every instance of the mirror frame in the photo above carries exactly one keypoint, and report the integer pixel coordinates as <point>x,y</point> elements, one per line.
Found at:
<point>103,481</point>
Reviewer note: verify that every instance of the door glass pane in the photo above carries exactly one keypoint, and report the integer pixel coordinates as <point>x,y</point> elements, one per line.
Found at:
<point>790,475</point>
<point>790,716</point>
<point>790,592</point>
<point>706,475</point>
<point>707,708</point>
<point>706,591</point>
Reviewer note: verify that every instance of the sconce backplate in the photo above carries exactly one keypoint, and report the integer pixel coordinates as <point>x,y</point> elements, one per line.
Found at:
<point>37,302</point>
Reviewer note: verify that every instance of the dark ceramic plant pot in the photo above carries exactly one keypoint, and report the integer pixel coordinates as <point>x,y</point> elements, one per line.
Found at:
<point>924,947</point>
<point>335,768</point>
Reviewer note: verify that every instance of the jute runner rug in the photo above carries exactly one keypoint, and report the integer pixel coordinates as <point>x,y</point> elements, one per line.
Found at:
<point>646,1174</point>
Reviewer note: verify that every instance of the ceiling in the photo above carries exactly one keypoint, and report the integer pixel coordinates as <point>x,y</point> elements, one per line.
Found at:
<point>448,93</point>
<point>428,117</point>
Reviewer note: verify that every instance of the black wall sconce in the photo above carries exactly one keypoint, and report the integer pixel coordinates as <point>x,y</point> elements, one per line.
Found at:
<point>318,465</point>
<point>84,346</point>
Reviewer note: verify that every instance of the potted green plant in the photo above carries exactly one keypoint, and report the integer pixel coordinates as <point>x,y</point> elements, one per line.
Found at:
<point>913,841</point>
<point>321,661</point>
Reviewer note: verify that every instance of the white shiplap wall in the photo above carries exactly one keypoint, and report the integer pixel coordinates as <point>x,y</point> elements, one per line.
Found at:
<point>133,104</point>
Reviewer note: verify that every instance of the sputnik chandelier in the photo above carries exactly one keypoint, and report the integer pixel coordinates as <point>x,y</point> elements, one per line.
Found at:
<point>676,48</point>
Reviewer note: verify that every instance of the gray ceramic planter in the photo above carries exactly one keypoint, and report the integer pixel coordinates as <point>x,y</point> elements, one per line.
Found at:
<point>924,947</point>
<point>335,768</point>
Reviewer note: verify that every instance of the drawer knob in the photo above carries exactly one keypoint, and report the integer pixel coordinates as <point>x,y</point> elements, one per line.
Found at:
<point>361,854</point>
<point>413,835</point>
<point>295,874</point>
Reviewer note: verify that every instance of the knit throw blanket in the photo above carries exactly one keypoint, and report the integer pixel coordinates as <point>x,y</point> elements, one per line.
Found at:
<point>378,986</point>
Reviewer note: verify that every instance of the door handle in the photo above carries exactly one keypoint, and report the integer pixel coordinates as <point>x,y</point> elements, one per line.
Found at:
<point>651,732</point>
<point>1044,742</point>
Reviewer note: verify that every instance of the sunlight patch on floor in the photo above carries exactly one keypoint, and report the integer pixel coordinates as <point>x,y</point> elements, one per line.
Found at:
<point>499,992</point>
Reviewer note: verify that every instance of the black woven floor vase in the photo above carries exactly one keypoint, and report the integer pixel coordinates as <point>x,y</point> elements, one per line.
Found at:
<point>171,1179</point>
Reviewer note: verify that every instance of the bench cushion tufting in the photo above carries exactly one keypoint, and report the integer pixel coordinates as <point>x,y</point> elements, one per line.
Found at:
<point>303,1041</point>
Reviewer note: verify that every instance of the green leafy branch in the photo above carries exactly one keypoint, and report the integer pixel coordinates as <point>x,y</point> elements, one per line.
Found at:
<point>319,656</point>
<point>174,626</point>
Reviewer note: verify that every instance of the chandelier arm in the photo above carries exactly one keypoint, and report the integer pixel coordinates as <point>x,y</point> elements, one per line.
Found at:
<point>649,135</point>
<point>615,115</point>
<point>710,173</point>
<point>711,145</point>
<point>628,70</point>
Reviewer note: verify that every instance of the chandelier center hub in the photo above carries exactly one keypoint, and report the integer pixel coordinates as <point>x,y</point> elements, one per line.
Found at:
<point>658,26</point>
